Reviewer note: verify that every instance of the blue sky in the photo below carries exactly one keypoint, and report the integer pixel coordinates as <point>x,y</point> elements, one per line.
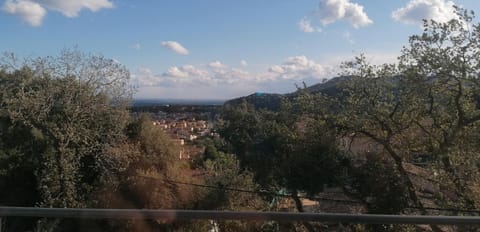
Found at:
<point>218,49</point>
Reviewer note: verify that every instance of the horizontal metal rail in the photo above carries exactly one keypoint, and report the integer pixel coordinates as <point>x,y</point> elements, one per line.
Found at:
<point>172,215</point>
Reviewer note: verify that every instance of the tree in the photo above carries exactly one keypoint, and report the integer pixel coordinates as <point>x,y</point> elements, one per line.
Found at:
<point>231,189</point>
<point>285,150</point>
<point>441,65</point>
<point>149,175</point>
<point>373,106</point>
<point>68,110</point>
<point>427,103</point>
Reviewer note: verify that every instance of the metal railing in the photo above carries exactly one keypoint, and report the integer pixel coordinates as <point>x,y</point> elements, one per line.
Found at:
<point>173,215</point>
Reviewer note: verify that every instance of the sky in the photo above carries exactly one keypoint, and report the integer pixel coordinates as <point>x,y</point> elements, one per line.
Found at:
<point>219,49</point>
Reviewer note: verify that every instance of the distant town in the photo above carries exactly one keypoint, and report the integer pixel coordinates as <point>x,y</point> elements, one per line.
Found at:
<point>183,121</point>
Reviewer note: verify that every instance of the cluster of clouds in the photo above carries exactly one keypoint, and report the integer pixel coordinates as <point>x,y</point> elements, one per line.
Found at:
<point>305,25</point>
<point>34,11</point>
<point>216,79</point>
<point>275,78</point>
<point>328,11</point>
<point>331,11</point>
<point>417,10</point>
<point>214,74</point>
<point>299,68</point>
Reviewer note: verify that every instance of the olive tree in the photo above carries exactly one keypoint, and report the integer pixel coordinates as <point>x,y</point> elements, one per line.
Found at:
<point>426,103</point>
<point>442,68</point>
<point>285,150</point>
<point>58,116</point>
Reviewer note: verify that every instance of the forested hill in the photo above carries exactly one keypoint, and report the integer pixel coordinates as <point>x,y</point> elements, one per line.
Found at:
<point>330,87</point>
<point>272,101</point>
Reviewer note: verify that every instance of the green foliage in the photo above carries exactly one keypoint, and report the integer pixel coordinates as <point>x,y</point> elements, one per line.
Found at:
<point>225,172</point>
<point>56,127</point>
<point>427,103</point>
<point>379,184</point>
<point>229,188</point>
<point>442,67</point>
<point>149,175</point>
<point>154,144</point>
<point>285,149</point>
<point>66,138</point>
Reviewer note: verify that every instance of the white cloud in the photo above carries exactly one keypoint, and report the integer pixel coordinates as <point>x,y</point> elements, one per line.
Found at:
<point>203,81</point>
<point>305,25</point>
<point>300,68</point>
<point>73,8</point>
<point>417,10</point>
<point>28,11</point>
<point>330,11</point>
<point>224,80</point>
<point>186,71</point>
<point>176,72</point>
<point>296,68</point>
<point>144,77</point>
<point>189,75</point>
<point>216,64</point>
<point>276,69</point>
<point>175,47</point>
<point>231,76</point>
<point>33,12</point>
<point>243,63</point>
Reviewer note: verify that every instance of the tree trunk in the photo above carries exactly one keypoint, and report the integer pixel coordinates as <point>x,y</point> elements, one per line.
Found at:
<point>411,188</point>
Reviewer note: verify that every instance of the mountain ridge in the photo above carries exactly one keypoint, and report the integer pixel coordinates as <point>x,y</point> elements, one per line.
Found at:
<point>272,101</point>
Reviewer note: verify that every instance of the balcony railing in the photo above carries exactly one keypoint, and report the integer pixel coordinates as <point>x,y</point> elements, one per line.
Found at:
<point>172,215</point>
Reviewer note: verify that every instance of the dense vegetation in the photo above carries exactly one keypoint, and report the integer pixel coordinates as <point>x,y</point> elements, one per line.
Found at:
<point>67,139</point>
<point>425,105</point>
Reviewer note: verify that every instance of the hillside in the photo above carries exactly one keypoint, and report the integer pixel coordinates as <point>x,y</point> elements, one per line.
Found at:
<point>272,101</point>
